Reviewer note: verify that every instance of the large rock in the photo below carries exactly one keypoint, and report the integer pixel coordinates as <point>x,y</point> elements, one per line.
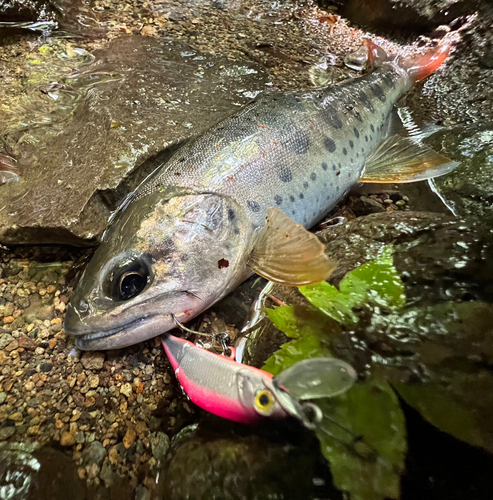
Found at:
<point>223,460</point>
<point>78,141</point>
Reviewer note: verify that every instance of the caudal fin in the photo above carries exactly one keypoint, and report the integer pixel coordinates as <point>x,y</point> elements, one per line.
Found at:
<point>423,65</point>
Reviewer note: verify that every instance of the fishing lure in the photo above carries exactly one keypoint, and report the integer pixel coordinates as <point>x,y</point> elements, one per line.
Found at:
<point>245,394</point>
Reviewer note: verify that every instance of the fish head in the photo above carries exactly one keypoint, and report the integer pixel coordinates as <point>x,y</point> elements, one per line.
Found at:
<point>167,254</point>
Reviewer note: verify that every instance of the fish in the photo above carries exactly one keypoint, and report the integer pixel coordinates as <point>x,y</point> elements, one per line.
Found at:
<point>244,394</point>
<point>239,198</point>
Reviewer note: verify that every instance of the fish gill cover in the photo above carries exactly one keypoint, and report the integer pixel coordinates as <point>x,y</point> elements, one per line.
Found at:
<point>363,432</point>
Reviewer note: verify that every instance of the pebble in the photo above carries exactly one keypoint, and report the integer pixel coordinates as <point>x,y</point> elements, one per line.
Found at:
<point>5,340</point>
<point>126,389</point>
<point>142,493</point>
<point>3,396</point>
<point>46,367</point>
<point>67,439</point>
<point>6,432</point>
<point>93,360</point>
<point>160,443</point>
<point>93,381</point>
<point>129,438</point>
<point>94,453</point>
<point>16,417</point>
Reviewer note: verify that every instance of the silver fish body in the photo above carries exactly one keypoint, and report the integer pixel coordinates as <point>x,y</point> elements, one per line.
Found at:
<point>183,241</point>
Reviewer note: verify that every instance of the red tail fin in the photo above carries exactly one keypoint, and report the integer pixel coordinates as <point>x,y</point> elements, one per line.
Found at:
<point>421,66</point>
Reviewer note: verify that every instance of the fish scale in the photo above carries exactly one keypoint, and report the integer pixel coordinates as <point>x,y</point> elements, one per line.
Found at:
<point>299,151</point>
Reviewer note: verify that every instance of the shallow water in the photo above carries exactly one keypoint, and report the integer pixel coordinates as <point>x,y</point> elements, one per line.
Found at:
<point>88,108</point>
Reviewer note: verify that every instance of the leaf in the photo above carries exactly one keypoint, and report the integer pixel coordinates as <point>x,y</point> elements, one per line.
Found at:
<point>363,437</point>
<point>376,281</point>
<point>307,333</point>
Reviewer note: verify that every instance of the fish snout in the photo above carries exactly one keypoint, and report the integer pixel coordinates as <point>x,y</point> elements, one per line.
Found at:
<point>75,315</point>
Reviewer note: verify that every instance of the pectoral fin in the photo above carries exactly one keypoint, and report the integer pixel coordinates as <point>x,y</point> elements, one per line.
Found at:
<point>402,159</point>
<point>317,378</point>
<point>286,253</point>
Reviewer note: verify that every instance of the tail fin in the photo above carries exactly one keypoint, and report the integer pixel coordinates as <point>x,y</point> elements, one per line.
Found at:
<point>423,65</point>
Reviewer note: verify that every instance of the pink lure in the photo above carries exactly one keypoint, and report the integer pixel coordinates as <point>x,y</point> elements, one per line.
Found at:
<point>246,394</point>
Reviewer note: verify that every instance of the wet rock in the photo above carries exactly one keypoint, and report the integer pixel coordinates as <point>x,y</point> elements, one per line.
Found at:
<point>38,474</point>
<point>6,432</point>
<point>468,189</point>
<point>141,97</point>
<point>221,459</point>
<point>418,16</point>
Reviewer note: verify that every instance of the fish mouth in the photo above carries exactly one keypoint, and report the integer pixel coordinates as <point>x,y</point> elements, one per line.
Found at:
<point>130,333</point>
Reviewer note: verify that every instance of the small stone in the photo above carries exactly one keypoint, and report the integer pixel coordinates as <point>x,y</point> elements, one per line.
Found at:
<point>46,367</point>
<point>129,438</point>
<point>51,289</point>
<point>400,203</point>
<point>94,453</point>
<point>92,471</point>
<point>159,445</point>
<point>5,340</point>
<point>56,321</point>
<point>33,430</point>
<point>93,381</point>
<point>148,30</point>
<point>388,201</point>
<point>52,343</point>
<point>113,455</point>
<point>8,319</point>
<point>142,493</point>
<point>92,360</point>
<point>79,437</point>
<point>126,389</point>
<point>6,432</point>
<point>42,291</point>
<point>16,417</point>
<point>3,396</point>
<point>67,439</point>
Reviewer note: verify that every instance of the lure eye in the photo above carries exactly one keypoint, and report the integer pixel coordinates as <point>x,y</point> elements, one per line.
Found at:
<point>264,401</point>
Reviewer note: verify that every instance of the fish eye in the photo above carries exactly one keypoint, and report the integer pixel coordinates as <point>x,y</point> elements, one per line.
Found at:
<point>129,280</point>
<point>264,401</point>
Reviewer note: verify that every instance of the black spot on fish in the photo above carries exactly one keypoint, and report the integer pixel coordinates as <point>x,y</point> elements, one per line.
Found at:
<point>330,145</point>
<point>337,188</point>
<point>357,155</point>
<point>253,206</point>
<point>356,132</point>
<point>371,138</point>
<point>331,117</point>
<point>365,100</point>
<point>182,159</point>
<point>301,196</point>
<point>344,151</point>
<point>291,198</point>
<point>237,231</point>
<point>351,144</point>
<point>285,174</point>
<point>324,166</point>
<point>377,91</point>
<point>231,214</point>
<point>334,168</point>
<point>372,128</point>
<point>388,78</point>
<point>305,185</point>
<point>366,138</point>
<point>278,199</point>
<point>298,143</point>
<point>313,176</point>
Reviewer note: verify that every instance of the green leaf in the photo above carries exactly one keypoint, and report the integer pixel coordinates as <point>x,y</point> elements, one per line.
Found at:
<point>307,332</point>
<point>363,437</point>
<point>376,281</point>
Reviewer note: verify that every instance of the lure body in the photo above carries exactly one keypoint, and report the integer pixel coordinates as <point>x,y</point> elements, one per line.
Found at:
<point>219,384</point>
<point>246,394</point>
